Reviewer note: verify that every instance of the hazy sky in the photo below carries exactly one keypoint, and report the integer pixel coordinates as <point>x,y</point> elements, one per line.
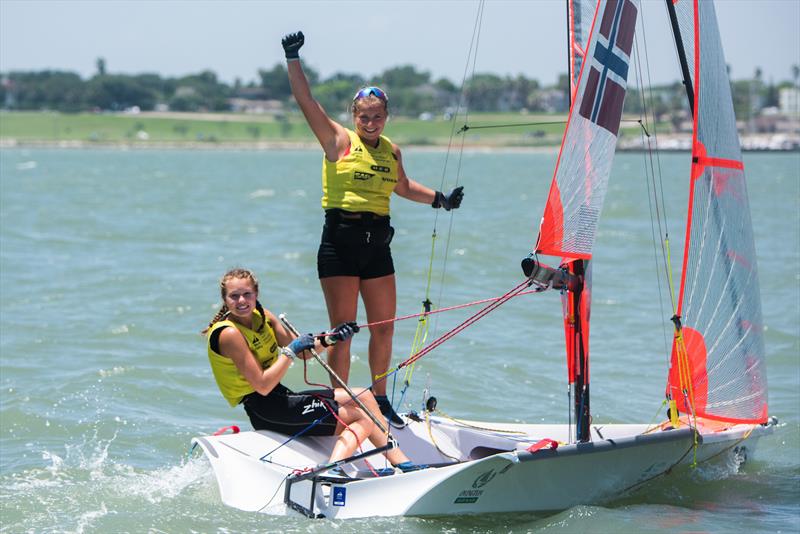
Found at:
<point>236,38</point>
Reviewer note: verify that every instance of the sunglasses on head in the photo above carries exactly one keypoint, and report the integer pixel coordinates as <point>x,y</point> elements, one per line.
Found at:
<point>367,91</point>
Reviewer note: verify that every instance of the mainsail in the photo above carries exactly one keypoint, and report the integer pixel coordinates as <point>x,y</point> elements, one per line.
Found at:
<point>718,359</point>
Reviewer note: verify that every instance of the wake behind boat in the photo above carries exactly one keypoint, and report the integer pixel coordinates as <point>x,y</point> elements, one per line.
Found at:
<point>716,385</point>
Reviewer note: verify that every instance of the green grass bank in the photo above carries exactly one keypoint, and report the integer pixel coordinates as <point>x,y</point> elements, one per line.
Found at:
<point>222,129</point>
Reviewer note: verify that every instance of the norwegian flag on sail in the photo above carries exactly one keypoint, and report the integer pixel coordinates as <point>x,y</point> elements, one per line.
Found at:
<point>605,87</point>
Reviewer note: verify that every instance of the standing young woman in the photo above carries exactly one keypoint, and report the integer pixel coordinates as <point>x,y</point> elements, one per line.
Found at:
<point>244,348</point>
<point>360,170</point>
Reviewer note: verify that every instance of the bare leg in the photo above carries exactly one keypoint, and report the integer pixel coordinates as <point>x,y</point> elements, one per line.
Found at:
<point>362,425</point>
<point>341,297</point>
<point>380,300</point>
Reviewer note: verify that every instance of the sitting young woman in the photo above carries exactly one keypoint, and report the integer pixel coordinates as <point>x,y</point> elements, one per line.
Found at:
<point>250,351</point>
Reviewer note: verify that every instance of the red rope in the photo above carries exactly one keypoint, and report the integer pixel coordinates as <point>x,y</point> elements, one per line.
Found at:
<point>496,303</point>
<point>347,427</point>
<point>450,308</point>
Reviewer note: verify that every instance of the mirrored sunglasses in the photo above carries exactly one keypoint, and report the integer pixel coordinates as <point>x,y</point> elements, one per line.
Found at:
<point>367,91</point>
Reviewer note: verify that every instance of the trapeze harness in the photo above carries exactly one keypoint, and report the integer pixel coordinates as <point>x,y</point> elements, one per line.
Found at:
<point>281,410</point>
<point>356,192</point>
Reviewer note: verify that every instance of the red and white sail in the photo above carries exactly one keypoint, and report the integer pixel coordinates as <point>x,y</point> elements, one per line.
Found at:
<point>601,41</point>
<point>718,363</point>
<point>587,150</point>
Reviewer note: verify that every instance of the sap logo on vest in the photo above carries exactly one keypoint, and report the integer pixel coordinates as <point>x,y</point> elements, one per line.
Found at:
<point>358,175</point>
<point>380,168</point>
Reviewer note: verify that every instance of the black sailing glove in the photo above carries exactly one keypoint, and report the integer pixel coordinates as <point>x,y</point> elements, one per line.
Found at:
<point>340,333</point>
<point>450,201</point>
<point>292,43</point>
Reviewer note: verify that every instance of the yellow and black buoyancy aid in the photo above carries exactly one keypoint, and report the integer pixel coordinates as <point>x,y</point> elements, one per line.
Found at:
<point>263,345</point>
<point>363,179</point>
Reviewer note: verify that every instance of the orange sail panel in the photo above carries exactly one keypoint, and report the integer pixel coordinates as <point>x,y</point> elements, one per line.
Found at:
<point>580,180</point>
<point>719,373</point>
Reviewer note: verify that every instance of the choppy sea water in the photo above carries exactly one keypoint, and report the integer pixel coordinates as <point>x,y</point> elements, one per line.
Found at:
<point>109,262</point>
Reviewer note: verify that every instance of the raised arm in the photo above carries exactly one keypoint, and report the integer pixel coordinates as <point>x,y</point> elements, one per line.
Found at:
<point>331,135</point>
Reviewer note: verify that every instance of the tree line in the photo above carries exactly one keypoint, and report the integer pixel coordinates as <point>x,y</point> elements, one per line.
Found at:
<point>412,92</point>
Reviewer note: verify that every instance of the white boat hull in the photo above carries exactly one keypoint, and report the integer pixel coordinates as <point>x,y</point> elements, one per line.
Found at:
<point>493,472</point>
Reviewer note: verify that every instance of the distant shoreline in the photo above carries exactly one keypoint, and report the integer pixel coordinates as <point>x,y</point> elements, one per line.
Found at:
<point>254,146</point>
<point>285,145</point>
<point>505,132</point>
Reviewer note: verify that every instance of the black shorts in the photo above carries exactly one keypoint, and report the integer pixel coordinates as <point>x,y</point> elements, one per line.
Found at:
<point>355,244</point>
<point>289,413</point>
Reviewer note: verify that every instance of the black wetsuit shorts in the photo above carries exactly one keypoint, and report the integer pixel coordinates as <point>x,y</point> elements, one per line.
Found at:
<point>355,244</point>
<point>290,413</point>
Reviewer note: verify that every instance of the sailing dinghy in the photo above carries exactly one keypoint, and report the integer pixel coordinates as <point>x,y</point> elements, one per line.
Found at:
<point>716,385</point>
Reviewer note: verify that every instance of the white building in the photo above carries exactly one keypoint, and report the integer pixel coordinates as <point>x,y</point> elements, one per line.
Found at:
<point>789,101</point>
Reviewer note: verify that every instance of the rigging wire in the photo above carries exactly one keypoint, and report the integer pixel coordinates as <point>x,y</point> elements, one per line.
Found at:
<point>653,173</point>
<point>421,333</point>
<point>473,55</point>
<point>446,309</point>
<point>467,127</point>
<point>493,305</point>
<point>658,216</point>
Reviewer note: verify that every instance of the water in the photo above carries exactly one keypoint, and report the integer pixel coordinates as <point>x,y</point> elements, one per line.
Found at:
<point>110,263</point>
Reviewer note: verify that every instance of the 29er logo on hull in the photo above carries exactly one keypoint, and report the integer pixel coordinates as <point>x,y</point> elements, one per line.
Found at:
<point>470,496</point>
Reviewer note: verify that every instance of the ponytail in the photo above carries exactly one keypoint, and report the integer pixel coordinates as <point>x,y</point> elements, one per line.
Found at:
<point>264,319</point>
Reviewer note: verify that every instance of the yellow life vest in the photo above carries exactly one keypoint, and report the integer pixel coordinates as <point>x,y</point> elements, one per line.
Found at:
<point>363,179</point>
<point>264,347</point>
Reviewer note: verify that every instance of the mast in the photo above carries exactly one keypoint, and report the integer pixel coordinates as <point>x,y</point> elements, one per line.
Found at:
<point>676,32</point>
<point>569,53</point>
<point>580,181</point>
<point>580,353</point>
<point>577,352</point>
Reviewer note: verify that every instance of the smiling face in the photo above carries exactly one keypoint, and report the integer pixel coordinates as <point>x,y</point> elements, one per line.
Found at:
<point>369,119</point>
<point>240,297</point>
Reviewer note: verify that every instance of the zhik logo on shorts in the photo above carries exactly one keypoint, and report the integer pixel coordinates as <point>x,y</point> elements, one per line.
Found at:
<point>313,405</point>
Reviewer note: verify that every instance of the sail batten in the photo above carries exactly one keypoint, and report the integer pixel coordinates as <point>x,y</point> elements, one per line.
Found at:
<point>719,300</point>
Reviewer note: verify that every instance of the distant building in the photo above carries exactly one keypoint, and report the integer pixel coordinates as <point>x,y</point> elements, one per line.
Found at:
<point>257,107</point>
<point>553,100</point>
<point>789,101</point>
